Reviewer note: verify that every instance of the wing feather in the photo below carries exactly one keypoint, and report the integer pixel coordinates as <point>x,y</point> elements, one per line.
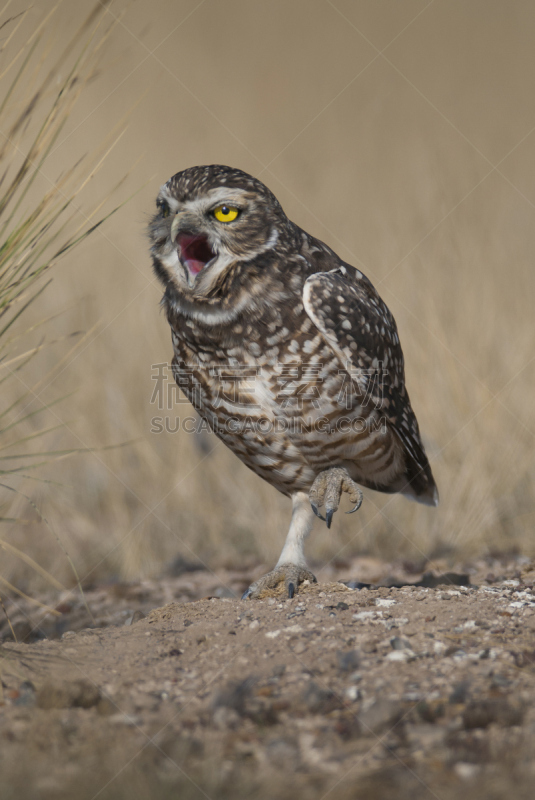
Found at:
<point>362,333</point>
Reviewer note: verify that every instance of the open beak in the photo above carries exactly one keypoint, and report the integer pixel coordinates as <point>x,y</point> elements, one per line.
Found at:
<point>194,251</point>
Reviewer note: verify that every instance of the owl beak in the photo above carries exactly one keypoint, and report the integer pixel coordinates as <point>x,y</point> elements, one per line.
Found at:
<point>177,221</point>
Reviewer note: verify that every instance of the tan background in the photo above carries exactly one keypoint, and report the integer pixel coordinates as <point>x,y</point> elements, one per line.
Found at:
<point>400,132</point>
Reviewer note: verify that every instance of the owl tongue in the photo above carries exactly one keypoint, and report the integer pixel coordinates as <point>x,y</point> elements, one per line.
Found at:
<point>195,252</point>
<point>193,265</point>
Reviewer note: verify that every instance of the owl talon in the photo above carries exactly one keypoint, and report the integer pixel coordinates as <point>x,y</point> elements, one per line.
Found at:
<point>283,580</point>
<point>358,505</point>
<point>327,490</point>
<point>316,512</point>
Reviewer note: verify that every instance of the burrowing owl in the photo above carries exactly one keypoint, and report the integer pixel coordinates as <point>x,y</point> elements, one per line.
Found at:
<point>286,351</point>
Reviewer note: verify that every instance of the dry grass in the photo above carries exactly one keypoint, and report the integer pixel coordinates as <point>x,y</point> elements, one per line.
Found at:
<point>37,230</point>
<point>392,163</point>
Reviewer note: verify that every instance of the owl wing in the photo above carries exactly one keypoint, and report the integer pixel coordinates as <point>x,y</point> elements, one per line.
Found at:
<point>358,326</point>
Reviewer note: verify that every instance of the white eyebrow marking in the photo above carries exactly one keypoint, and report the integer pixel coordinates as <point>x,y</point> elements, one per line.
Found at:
<point>164,194</point>
<point>221,194</point>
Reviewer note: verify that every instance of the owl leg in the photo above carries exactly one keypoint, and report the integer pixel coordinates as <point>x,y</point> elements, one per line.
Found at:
<point>327,490</point>
<point>291,568</point>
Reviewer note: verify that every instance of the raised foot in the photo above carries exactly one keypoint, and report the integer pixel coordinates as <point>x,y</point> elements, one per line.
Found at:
<point>327,490</point>
<point>286,577</point>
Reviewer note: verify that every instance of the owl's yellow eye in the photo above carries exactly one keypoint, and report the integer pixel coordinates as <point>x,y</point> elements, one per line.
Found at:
<point>226,213</point>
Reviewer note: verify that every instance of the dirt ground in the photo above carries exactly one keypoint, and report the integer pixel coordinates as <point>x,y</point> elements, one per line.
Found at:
<point>177,688</point>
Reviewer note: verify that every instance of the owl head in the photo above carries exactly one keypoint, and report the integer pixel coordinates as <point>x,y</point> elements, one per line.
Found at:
<point>210,221</point>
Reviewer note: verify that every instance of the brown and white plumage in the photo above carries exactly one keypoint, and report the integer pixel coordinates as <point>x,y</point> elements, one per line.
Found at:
<point>254,301</point>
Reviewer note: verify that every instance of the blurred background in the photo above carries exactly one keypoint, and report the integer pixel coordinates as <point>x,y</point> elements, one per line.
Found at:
<point>400,133</point>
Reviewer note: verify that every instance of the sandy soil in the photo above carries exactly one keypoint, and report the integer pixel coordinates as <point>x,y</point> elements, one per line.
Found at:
<point>373,692</point>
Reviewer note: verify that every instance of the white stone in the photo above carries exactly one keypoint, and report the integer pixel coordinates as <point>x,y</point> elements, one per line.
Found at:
<point>466,771</point>
<point>400,655</point>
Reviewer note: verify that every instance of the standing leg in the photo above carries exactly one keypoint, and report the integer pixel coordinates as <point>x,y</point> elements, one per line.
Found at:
<point>291,567</point>
<point>300,527</point>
